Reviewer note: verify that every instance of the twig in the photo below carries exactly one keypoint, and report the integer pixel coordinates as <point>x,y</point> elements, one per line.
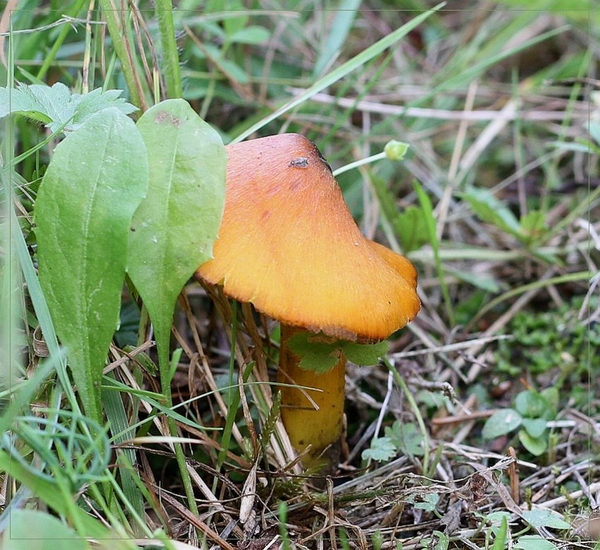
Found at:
<point>506,114</point>
<point>452,347</point>
<point>559,501</point>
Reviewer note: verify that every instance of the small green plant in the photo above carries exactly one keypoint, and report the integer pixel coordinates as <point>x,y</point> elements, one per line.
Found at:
<point>500,525</point>
<point>527,229</point>
<point>530,416</point>
<point>548,340</point>
<point>399,437</point>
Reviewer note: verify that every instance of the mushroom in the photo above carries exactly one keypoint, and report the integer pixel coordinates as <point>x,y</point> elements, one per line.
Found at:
<point>289,245</point>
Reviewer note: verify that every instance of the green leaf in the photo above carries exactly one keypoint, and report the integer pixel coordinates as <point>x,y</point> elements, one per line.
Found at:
<point>411,228</point>
<point>94,182</point>
<point>581,146</point>
<point>315,354</point>
<point>501,422</point>
<point>531,404</point>
<point>430,225</point>
<point>500,539</point>
<point>406,437</point>
<point>533,225</point>
<point>535,445</point>
<point>86,105</point>
<point>382,449</point>
<point>552,397</point>
<point>231,24</point>
<point>55,106</point>
<point>544,517</point>
<point>429,502</point>
<point>253,34</point>
<point>497,519</point>
<point>235,71</point>
<point>174,228</point>
<point>364,354</point>
<point>534,542</point>
<point>535,427</point>
<point>479,280</point>
<point>492,210</point>
<point>320,354</point>
<point>47,532</point>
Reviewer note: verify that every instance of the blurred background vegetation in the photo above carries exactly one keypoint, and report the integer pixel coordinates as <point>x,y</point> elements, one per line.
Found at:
<point>496,203</point>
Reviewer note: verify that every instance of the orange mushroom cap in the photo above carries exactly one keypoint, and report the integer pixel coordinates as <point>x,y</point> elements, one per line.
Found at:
<point>289,245</point>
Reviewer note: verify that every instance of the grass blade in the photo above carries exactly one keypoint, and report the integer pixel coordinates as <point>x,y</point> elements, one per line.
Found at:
<point>341,72</point>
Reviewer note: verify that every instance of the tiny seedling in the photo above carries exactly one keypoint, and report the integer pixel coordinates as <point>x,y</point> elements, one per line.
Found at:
<point>529,416</point>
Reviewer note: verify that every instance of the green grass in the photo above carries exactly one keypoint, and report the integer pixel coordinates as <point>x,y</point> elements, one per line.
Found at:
<point>496,202</point>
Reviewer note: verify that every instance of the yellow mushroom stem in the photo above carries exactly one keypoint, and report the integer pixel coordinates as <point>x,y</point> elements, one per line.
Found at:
<point>312,416</point>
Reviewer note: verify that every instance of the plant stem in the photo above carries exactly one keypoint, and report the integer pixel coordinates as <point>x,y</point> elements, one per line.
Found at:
<point>415,409</point>
<point>119,39</point>
<point>360,162</point>
<point>164,13</point>
<point>164,366</point>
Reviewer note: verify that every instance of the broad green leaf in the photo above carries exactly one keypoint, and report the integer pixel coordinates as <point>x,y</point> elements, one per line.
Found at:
<point>175,226</point>
<point>410,226</point>
<point>500,423</point>
<point>552,397</point>
<point>382,449</point>
<point>319,354</point>
<point>534,542</point>
<point>531,404</point>
<point>56,106</point>
<point>94,183</point>
<point>406,437</point>
<point>535,445</point>
<point>535,427</point>
<point>315,353</point>
<point>34,530</point>
<point>229,66</point>
<point>428,502</point>
<point>364,354</point>
<point>231,24</point>
<point>544,517</point>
